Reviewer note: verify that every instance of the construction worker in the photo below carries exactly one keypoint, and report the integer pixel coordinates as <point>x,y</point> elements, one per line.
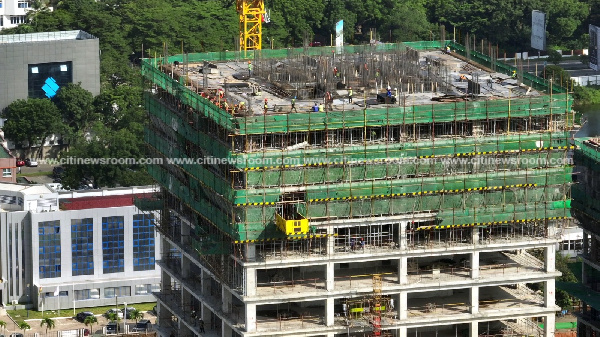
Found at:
<point>447,49</point>
<point>514,74</point>
<point>294,104</point>
<point>225,105</point>
<point>321,107</point>
<point>266,106</point>
<point>350,95</point>
<point>335,71</point>
<point>249,69</point>
<point>315,107</point>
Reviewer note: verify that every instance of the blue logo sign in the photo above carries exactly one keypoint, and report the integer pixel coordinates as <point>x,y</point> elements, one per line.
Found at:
<point>50,87</point>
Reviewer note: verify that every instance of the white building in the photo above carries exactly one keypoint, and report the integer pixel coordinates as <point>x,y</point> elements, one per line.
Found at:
<point>13,12</point>
<point>82,249</point>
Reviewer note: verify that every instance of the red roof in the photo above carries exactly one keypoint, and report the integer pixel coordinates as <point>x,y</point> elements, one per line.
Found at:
<point>101,201</point>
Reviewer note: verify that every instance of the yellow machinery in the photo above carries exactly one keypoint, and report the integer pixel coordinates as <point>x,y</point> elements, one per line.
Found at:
<point>251,17</point>
<point>292,227</point>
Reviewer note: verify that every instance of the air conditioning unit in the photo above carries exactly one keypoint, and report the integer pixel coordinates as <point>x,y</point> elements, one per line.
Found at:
<point>14,302</point>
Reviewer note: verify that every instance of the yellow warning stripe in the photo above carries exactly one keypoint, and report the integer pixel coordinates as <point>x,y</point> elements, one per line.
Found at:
<point>489,223</point>
<point>486,188</point>
<point>381,196</point>
<point>295,237</point>
<point>462,154</point>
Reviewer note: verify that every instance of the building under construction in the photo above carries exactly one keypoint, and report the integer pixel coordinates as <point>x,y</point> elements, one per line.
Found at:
<point>403,206</point>
<point>586,201</point>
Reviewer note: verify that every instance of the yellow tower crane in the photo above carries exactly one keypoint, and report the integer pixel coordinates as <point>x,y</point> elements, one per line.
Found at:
<point>251,18</point>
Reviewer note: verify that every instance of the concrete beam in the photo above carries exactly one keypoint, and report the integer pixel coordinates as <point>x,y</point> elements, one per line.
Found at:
<point>250,317</point>
<point>402,235</point>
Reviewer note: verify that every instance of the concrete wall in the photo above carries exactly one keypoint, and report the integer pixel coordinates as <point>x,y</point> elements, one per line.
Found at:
<point>15,58</point>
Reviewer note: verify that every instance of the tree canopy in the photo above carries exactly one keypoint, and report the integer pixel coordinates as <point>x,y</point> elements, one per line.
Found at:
<point>31,120</point>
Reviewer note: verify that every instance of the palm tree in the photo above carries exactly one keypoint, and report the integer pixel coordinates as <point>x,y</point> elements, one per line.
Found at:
<point>24,326</point>
<point>49,323</point>
<point>90,320</point>
<point>3,325</point>
<point>136,314</point>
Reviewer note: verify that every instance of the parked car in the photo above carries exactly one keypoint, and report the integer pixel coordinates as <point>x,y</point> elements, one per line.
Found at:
<point>128,311</point>
<point>16,334</point>
<point>112,328</point>
<point>20,162</point>
<point>31,162</point>
<point>83,315</point>
<point>142,326</point>
<point>117,311</point>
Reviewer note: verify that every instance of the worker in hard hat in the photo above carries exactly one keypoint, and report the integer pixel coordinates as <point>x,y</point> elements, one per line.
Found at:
<point>249,69</point>
<point>350,95</point>
<point>294,104</point>
<point>266,106</point>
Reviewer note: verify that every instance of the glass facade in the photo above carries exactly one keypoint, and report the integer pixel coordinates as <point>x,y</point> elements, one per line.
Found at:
<point>45,79</point>
<point>82,246</point>
<point>143,242</point>
<point>117,291</point>
<point>49,254</point>
<point>113,251</point>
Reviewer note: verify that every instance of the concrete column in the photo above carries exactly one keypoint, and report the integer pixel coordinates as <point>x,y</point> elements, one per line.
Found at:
<point>583,273</point>
<point>185,267</point>
<point>329,312</point>
<point>593,249</point>
<point>549,324</point>
<point>474,329</point>
<point>403,270</point>
<point>329,276</point>
<point>250,317</point>
<point>475,265</point>
<point>474,299</point>
<point>226,330</point>
<point>226,300</point>
<point>402,332</point>
<point>206,316</point>
<point>251,252</point>
<point>402,235</point>
<point>475,236</point>
<point>206,281</point>
<point>586,242</point>
<point>250,276</point>
<point>550,294</point>
<point>330,240</point>
<point>550,258</point>
<point>402,305</point>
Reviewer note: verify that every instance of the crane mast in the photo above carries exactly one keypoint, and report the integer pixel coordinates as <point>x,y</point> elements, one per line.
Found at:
<point>251,17</point>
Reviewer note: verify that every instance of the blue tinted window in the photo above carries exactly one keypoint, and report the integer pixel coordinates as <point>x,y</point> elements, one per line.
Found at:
<point>82,244</point>
<point>49,252</point>
<point>113,238</point>
<point>143,242</point>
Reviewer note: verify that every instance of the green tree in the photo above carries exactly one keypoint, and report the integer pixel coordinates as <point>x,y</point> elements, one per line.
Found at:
<point>557,74</point>
<point>31,120</point>
<point>76,107</point>
<point>24,326</point>
<point>554,56</point>
<point>48,322</point>
<point>90,320</point>
<point>136,315</point>
<point>3,325</point>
